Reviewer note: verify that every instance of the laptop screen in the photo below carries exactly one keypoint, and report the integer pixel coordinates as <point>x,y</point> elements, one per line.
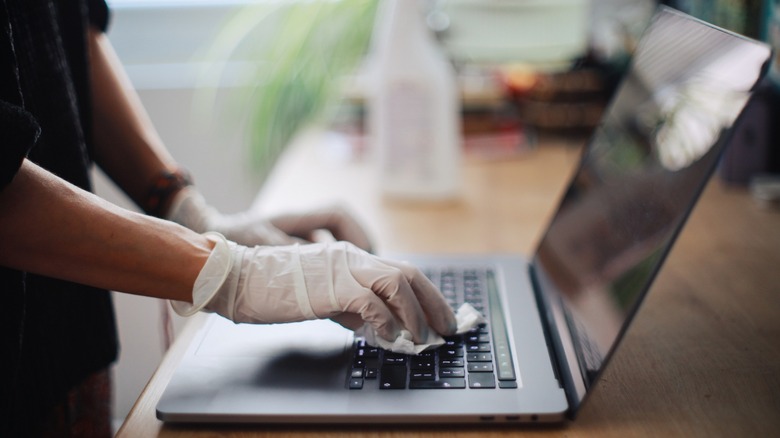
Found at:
<point>640,176</point>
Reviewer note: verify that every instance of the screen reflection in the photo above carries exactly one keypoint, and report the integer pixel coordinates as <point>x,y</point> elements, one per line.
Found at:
<point>642,171</point>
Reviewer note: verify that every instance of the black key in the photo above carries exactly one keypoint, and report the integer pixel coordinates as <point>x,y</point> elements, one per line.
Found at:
<point>477,331</point>
<point>476,338</point>
<point>452,343</point>
<point>357,373</point>
<point>448,383</point>
<point>355,383</point>
<point>507,384</point>
<point>480,367</point>
<point>392,377</point>
<point>395,359</point>
<point>371,373</point>
<point>482,380</point>
<point>477,348</point>
<point>454,362</point>
<point>421,375</point>
<point>479,357</point>
<point>452,372</point>
<point>454,340</point>
<point>480,329</point>
<point>449,353</point>
<point>421,363</point>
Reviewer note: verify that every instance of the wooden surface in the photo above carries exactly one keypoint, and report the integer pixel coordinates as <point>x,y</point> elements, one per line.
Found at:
<point>701,359</point>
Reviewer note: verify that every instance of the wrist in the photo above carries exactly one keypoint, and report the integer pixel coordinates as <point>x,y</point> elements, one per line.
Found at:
<point>163,190</point>
<point>189,209</point>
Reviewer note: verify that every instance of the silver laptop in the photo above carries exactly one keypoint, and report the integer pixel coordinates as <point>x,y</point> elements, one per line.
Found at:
<point>553,320</point>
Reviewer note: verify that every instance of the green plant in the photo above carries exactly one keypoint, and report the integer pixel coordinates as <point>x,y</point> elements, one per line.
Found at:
<point>292,55</point>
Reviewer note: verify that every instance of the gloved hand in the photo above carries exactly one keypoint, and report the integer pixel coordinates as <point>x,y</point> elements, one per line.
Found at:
<point>324,280</point>
<point>190,209</point>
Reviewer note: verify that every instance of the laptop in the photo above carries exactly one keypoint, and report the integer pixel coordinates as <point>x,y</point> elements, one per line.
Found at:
<point>554,319</point>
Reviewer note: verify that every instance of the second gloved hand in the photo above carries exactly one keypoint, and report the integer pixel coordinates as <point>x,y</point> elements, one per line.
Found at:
<point>190,209</point>
<point>327,280</point>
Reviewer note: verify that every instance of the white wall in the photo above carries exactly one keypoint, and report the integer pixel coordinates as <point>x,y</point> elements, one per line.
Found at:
<point>158,45</point>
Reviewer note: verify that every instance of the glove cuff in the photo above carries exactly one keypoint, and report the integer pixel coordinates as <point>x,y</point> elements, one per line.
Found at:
<point>211,277</point>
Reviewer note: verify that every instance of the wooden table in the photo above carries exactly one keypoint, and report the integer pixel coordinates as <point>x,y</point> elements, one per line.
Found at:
<point>701,359</point>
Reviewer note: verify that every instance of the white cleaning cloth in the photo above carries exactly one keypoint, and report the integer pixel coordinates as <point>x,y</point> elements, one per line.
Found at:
<point>467,317</point>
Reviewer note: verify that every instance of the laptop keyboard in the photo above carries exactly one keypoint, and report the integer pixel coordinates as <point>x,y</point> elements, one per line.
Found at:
<point>477,359</point>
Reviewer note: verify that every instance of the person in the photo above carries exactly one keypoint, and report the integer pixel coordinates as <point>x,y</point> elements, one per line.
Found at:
<point>65,105</point>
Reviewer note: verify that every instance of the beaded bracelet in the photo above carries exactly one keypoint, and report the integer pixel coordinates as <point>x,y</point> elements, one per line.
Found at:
<point>163,187</point>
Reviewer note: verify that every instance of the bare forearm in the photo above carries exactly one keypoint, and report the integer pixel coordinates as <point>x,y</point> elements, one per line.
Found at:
<point>50,227</point>
<point>127,146</point>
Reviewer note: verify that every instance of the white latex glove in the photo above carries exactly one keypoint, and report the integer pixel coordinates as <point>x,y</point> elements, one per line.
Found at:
<point>323,280</point>
<point>189,208</point>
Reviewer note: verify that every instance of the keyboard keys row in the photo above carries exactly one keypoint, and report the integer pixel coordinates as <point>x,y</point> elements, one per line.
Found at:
<point>445,368</point>
<point>464,360</point>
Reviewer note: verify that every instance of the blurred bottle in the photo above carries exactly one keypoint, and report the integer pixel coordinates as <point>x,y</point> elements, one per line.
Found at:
<point>414,107</point>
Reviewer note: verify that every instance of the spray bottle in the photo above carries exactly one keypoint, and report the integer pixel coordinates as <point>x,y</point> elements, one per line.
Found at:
<point>414,108</point>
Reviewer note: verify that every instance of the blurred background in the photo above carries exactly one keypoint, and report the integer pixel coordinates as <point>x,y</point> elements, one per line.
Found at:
<point>229,83</point>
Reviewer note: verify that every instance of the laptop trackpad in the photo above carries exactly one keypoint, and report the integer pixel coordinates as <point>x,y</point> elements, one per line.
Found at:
<point>307,354</point>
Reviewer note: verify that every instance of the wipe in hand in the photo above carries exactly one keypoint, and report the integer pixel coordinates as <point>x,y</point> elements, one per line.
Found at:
<point>467,317</point>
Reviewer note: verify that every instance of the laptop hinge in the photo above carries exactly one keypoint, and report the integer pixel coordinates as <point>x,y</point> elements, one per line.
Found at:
<point>565,372</point>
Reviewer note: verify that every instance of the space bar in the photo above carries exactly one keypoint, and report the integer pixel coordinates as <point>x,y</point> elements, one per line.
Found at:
<point>443,383</point>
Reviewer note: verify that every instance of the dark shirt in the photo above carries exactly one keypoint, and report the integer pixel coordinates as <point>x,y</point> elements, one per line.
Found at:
<point>52,333</point>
